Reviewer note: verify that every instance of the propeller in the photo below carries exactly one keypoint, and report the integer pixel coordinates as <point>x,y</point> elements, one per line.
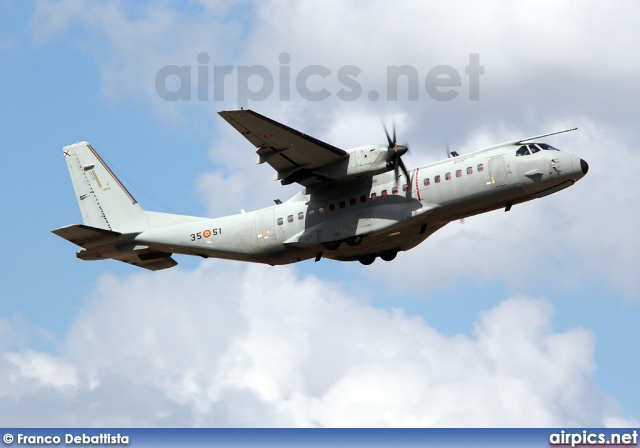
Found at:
<point>395,153</point>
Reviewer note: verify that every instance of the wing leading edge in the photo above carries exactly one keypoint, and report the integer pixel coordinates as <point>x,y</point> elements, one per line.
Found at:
<point>295,156</point>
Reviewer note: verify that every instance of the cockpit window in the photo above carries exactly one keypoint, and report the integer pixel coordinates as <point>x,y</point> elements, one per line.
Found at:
<point>533,148</point>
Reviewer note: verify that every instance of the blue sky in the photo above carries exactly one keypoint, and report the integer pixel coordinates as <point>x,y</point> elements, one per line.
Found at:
<point>533,313</point>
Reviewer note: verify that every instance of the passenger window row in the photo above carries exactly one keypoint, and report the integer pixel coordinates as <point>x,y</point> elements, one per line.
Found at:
<point>374,196</point>
<point>342,204</point>
<point>447,176</point>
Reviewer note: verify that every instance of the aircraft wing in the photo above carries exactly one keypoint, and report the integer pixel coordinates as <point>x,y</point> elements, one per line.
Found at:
<point>295,156</point>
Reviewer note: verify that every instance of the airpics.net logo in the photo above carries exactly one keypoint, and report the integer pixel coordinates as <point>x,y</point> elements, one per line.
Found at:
<point>312,82</point>
<point>591,438</point>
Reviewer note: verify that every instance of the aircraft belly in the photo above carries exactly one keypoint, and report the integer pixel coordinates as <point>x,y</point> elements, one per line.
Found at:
<point>344,228</point>
<point>469,205</point>
<point>401,238</point>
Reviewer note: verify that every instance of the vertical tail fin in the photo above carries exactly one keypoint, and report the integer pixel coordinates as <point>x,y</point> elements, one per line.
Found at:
<point>104,202</point>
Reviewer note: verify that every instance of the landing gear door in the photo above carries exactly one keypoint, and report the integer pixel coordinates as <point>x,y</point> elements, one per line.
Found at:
<point>265,229</point>
<point>498,171</point>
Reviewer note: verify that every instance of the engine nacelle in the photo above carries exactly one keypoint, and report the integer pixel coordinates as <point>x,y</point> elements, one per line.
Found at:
<point>363,161</point>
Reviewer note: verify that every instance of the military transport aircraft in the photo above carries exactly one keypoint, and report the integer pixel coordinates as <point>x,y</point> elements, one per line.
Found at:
<point>356,204</point>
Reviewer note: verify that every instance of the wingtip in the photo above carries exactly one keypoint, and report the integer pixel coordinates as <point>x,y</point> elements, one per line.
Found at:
<point>241,109</point>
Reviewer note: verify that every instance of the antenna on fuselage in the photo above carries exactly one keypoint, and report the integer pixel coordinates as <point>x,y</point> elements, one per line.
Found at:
<point>544,135</point>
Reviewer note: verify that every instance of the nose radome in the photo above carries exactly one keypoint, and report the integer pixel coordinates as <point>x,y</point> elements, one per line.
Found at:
<point>584,166</point>
<point>580,167</point>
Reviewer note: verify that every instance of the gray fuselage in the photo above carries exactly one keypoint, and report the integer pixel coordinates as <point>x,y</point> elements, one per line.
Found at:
<point>377,215</point>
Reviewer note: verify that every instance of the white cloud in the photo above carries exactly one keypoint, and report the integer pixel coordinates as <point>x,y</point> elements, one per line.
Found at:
<point>533,53</point>
<point>237,345</point>
<point>42,367</point>
<point>131,43</point>
<point>7,333</point>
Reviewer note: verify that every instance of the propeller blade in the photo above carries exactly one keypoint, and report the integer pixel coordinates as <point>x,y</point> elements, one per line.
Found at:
<point>391,143</point>
<point>394,132</point>
<point>404,169</point>
<point>395,152</point>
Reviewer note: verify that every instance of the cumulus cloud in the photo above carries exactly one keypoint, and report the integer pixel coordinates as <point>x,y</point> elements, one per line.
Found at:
<point>132,43</point>
<point>236,345</point>
<point>535,55</point>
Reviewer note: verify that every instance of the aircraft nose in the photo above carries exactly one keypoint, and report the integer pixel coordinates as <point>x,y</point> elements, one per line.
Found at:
<point>584,166</point>
<point>580,167</point>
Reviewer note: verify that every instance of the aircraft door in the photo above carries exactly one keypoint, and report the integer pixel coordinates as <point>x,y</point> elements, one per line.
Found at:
<point>498,171</point>
<point>265,229</point>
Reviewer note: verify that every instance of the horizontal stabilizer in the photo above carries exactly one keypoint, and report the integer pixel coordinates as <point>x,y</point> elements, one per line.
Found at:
<point>101,244</point>
<point>84,236</point>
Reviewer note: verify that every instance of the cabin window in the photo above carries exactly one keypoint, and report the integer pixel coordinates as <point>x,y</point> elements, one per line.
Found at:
<point>437,179</point>
<point>405,187</point>
<point>534,149</point>
<point>343,204</point>
<point>374,196</point>
<point>394,190</point>
<point>480,168</point>
<point>280,221</point>
<point>447,176</point>
<point>290,218</point>
<point>332,207</point>
<point>547,147</point>
<point>321,210</point>
<point>384,193</point>
<point>311,213</point>
<point>301,215</point>
<point>522,151</point>
<point>458,173</point>
<point>352,201</point>
<point>426,182</point>
<point>363,199</point>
